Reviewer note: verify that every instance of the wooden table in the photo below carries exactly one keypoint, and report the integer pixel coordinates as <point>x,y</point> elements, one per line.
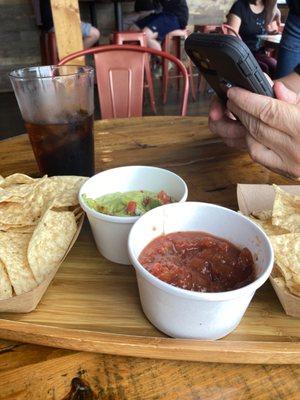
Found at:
<point>185,146</point>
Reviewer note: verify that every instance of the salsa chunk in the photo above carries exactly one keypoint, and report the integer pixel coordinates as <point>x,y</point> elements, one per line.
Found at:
<point>198,261</point>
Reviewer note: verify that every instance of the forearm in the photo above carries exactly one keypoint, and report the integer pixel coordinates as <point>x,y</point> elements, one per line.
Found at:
<point>271,7</point>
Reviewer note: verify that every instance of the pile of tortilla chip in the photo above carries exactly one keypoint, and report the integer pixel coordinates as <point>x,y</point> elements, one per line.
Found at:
<point>282,225</point>
<point>38,220</point>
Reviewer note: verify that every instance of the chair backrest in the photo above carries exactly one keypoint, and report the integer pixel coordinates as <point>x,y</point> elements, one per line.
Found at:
<point>125,37</point>
<point>228,30</point>
<point>120,78</point>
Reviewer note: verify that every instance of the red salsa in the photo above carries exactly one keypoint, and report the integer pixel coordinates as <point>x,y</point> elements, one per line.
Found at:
<point>198,261</point>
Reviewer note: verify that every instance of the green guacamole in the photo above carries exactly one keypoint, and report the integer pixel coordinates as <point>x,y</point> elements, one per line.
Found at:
<point>133,203</point>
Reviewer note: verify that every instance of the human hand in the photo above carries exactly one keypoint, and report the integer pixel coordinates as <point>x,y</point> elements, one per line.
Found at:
<point>277,17</point>
<point>272,125</point>
<point>222,123</point>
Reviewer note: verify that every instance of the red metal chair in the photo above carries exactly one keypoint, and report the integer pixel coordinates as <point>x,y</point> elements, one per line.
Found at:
<point>140,39</point>
<point>120,77</point>
<point>174,38</point>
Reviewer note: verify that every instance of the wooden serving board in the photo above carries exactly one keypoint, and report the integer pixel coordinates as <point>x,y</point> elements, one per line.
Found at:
<point>93,305</point>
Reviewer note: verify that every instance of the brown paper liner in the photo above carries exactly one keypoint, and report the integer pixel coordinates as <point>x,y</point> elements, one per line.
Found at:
<point>261,197</point>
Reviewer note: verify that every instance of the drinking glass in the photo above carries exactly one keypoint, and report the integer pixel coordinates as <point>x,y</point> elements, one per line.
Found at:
<point>57,105</point>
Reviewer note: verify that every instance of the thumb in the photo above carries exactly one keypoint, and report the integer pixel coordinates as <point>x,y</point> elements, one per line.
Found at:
<point>285,94</point>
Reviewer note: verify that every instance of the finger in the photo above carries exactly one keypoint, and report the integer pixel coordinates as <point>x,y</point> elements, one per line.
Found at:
<point>263,155</point>
<point>227,128</point>
<point>217,109</point>
<point>264,134</point>
<point>239,143</point>
<point>270,159</point>
<point>281,115</point>
<point>285,94</point>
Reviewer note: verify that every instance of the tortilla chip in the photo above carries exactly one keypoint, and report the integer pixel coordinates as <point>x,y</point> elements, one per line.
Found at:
<point>25,210</point>
<point>32,234</point>
<point>50,241</point>
<point>13,254</point>
<point>17,228</point>
<point>18,190</point>
<point>67,188</point>
<point>293,287</point>
<point>263,215</point>
<point>16,179</point>
<point>5,285</point>
<point>287,257</point>
<point>286,210</point>
<point>267,226</point>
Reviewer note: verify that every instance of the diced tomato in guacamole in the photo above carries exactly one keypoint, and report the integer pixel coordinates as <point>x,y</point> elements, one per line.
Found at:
<point>132,203</point>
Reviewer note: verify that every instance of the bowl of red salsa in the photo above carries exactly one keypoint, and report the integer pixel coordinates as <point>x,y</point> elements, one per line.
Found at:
<point>198,266</point>
<point>116,198</point>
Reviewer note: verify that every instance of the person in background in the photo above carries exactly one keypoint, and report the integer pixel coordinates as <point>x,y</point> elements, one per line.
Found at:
<point>174,15</point>
<point>289,51</point>
<point>248,18</point>
<point>43,13</point>
<point>268,128</point>
<point>142,8</point>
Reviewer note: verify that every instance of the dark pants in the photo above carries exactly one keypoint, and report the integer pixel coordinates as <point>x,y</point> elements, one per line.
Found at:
<point>289,51</point>
<point>266,63</point>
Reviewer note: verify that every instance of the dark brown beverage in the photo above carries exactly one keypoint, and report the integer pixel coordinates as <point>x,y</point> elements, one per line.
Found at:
<point>66,148</point>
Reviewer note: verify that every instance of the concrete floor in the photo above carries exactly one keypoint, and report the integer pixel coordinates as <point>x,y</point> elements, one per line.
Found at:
<point>11,123</point>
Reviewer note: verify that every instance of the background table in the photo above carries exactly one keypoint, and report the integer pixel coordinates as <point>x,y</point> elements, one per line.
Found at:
<point>117,10</point>
<point>185,146</point>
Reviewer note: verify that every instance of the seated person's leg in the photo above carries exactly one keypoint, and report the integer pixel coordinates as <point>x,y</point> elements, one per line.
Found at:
<point>152,41</point>
<point>149,25</point>
<point>90,34</point>
<point>131,18</point>
<point>135,28</point>
<point>157,26</point>
<point>288,59</point>
<point>271,63</point>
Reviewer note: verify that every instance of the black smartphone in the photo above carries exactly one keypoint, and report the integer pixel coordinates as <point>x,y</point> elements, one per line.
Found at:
<point>226,61</point>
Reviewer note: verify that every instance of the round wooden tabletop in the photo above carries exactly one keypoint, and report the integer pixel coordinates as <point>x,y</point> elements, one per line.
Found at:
<point>185,146</point>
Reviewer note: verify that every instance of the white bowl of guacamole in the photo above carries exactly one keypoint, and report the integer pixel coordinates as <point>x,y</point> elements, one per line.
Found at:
<point>114,200</point>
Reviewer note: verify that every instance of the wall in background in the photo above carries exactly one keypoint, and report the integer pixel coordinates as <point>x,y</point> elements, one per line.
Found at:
<point>208,11</point>
<point>19,39</point>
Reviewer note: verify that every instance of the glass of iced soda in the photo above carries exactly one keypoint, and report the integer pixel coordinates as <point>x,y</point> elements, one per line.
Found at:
<point>57,105</point>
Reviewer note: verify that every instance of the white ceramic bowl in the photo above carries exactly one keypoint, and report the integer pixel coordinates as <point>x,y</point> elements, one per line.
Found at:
<point>110,232</point>
<point>182,313</point>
